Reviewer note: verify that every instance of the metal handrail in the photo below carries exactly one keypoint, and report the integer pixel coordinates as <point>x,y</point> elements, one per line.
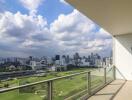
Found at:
<point>39,82</point>
<point>50,83</point>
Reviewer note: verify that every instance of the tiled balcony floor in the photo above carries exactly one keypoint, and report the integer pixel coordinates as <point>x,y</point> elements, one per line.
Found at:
<point>125,93</point>
<point>116,90</point>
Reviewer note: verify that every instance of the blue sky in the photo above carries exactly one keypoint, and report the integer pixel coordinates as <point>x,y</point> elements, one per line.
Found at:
<point>48,27</point>
<point>50,9</point>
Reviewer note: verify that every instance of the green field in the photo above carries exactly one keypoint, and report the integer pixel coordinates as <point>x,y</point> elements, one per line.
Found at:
<point>62,88</point>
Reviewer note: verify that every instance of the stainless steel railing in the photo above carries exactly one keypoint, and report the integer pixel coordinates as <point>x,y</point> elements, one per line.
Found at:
<point>50,82</point>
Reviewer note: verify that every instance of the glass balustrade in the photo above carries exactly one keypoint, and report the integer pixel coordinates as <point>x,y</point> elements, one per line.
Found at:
<point>70,87</point>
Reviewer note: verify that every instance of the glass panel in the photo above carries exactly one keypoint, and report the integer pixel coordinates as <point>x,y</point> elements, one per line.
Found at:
<point>35,92</point>
<point>97,78</point>
<point>109,74</point>
<point>70,88</point>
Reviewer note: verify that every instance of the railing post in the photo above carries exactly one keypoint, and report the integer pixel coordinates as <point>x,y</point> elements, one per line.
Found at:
<point>50,88</point>
<point>114,72</point>
<point>89,82</point>
<point>105,75</point>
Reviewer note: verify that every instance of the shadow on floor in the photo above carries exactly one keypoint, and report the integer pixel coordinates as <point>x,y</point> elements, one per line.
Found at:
<point>109,92</point>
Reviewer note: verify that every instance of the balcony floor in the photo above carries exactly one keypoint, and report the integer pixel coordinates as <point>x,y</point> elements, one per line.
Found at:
<point>117,90</point>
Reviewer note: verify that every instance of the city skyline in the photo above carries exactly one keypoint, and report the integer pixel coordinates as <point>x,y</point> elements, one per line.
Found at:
<point>52,63</point>
<point>30,27</point>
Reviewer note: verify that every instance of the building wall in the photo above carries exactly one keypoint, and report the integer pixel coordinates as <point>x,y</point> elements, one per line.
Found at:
<point>122,46</point>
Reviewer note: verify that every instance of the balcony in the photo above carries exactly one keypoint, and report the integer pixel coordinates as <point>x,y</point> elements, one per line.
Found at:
<point>115,17</point>
<point>117,90</point>
<point>71,87</point>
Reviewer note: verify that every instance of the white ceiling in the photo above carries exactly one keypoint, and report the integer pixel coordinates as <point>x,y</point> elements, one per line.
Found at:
<point>115,16</point>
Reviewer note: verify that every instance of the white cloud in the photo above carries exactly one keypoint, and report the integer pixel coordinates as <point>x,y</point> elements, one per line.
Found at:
<point>27,43</point>
<point>19,25</point>
<point>31,5</point>
<point>79,33</point>
<point>23,31</point>
<point>29,34</point>
<point>71,26</point>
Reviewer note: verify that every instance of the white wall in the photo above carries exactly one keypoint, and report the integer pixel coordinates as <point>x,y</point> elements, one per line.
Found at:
<point>122,45</point>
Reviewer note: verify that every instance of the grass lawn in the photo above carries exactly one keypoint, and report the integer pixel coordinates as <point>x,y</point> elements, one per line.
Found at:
<point>62,88</point>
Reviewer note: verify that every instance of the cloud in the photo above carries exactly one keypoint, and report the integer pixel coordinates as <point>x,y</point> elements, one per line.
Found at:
<point>79,33</point>
<point>21,26</point>
<point>23,31</point>
<point>29,34</point>
<point>71,26</point>
<point>31,5</point>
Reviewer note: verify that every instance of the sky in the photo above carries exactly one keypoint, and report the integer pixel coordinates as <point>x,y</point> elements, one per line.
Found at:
<point>47,28</point>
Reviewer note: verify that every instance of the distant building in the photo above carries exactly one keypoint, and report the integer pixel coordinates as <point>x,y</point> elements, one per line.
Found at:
<point>38,65</point>
<point>107,61</point>
<point>33,64</point>
<point>77,59</point>
<point>84,62</point>
<point>50,61</point>
<point>57,60</point>
<point>22,61</point>
<point>2,61</point>
<point>12,68</point>
<point>52,68</point>
<point>98,63</point>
